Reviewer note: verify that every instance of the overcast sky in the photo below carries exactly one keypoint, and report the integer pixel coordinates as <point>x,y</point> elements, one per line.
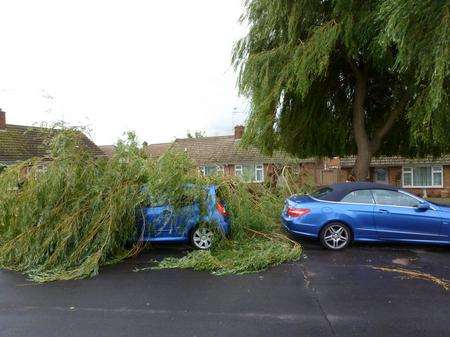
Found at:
<point>156,67</point>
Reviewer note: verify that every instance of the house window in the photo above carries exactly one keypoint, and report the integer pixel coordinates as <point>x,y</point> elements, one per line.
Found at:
<point>423,176</point>
<point>250,173</point>
<point>210,170</point>
<point>238,170</point>
<point>245,172</point>
<point>259,173</point>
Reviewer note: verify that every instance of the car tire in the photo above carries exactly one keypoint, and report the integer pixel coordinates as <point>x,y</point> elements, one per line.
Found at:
<point>202,238</point>
<point>335,236</point>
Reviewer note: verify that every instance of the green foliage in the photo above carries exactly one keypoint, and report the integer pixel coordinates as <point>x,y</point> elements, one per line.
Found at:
<point>298,60</point>
<point>173,179</point>
<point>421,30</point>
<point>239,257</point>
<point>63,218</point>
<point>257,241</point>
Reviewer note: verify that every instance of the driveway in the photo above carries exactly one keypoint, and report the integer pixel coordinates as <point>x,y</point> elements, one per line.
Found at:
<point>325,294</point>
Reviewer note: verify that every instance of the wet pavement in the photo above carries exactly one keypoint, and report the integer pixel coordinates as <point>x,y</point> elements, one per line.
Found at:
<point>324,294</point>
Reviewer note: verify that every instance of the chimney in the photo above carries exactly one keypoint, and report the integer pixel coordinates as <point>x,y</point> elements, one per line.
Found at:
<point>238,132</point>
<point>2,120</point>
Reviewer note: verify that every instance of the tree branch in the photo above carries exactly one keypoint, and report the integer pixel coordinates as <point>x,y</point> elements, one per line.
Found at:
<point>381,133</point>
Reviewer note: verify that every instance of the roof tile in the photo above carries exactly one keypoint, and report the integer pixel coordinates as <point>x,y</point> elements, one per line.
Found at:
<point>18,142</point>
<point>396,161</point>
<point>227,150</point>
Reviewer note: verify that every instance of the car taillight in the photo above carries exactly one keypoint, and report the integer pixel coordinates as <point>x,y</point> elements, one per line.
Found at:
<point>297,212</point>
<point>221,209</point>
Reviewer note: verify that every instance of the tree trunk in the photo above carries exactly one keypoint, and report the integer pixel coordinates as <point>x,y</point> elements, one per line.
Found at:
<point>368,147</point>
<point>362,164</point>
<point>361,170</point>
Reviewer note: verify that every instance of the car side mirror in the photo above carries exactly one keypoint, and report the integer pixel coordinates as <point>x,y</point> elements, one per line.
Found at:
<point>423,206</point>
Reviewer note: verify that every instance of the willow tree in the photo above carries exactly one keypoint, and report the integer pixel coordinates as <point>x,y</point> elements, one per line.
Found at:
<point>347,77</point>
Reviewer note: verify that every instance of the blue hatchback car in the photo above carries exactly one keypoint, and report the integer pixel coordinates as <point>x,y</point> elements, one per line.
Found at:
<point>341,213</point>
<point>163,223</point>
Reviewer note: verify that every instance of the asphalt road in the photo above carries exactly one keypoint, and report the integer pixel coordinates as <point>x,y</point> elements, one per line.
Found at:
<point>325,294</point>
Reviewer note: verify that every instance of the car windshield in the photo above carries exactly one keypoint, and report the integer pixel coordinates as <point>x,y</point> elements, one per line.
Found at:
<point>322,192</point>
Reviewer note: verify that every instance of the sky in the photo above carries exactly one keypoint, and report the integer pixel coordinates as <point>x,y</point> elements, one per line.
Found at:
<point>159,68</point>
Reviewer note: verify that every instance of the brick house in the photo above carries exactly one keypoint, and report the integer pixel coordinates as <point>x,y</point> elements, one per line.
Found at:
<point>223,154</point>
<point>19,143</point>
<point>429,176</point>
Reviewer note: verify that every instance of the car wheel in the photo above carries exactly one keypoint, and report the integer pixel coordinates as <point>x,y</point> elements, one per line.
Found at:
<point>202,238</point>
<point>335,236</point>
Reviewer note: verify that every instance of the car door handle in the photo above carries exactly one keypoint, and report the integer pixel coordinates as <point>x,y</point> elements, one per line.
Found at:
<point>384,211</point>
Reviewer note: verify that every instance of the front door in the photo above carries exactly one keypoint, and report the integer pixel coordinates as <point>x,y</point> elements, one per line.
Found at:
<point>397,217</point>
<point>381,175</point>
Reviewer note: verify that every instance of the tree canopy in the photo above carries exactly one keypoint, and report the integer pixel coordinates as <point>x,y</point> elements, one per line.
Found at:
<point>342,77</point>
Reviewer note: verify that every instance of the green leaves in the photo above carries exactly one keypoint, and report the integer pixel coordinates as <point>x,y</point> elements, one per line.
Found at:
<point>61,219</point>
<point>65,218</point>
<point>257,241</point>
<point>420,31</point>
<point>295,66</point>
<point>311,59</point>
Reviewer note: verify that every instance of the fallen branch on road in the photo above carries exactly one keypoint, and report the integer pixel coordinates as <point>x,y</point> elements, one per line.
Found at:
<point>413,274</point>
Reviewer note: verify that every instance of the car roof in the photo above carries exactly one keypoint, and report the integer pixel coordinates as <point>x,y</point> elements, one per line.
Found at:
<point>339,191</point>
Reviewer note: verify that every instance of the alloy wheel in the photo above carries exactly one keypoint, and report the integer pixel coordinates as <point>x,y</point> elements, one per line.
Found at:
<point>336,236</point>
<point>202,238</point>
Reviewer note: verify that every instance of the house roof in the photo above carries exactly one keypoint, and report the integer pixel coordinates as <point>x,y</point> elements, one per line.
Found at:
<point>157,150</point>
<point>227,150</point>
<point>108,150</point>
<point>18,143</point>
<point>384,161</point>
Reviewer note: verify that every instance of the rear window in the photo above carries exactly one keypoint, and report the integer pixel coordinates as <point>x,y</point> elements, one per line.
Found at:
<point>322,192</point>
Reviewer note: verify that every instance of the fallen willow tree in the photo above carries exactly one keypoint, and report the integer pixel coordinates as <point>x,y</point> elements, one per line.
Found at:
<point>63,218</point>
<point>257,241</point>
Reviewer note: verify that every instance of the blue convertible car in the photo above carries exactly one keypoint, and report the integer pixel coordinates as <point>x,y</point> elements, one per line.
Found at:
<point>341,213</point>
<point>163,223</point>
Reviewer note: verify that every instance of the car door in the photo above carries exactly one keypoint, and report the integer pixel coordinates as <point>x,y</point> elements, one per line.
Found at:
<point>186,217</point>
<point>159,222</point>
<point>187,211</point>
<point>359,206</point>
<point>397,217</point>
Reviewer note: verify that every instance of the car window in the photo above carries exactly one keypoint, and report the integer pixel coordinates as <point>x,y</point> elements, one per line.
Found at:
<point>385,197</point>
<point>359,197</point>
<point>322,192</point>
